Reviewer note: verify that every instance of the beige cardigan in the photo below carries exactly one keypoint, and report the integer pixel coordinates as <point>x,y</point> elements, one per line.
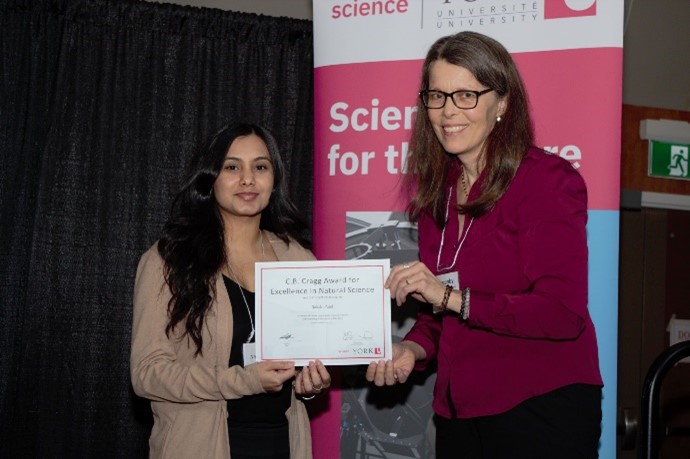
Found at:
<point>188,394</point>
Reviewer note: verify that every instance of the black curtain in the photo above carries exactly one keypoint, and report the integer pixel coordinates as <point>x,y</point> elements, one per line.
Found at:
<point>102,104</point>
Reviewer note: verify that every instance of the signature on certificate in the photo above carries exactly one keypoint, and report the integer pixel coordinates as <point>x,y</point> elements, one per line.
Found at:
<point>286,338</point>
<point>349,335</point>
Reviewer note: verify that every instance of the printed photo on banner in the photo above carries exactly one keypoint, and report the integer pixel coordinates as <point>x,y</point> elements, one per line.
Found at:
<point>389,424</point>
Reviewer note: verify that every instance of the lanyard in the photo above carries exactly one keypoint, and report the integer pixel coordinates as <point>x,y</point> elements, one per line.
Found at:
<point>440,268</point>
<point>244,298</point>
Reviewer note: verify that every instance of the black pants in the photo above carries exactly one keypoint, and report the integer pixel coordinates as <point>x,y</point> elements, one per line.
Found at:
<point>563,424</point>
<point>266,442</point>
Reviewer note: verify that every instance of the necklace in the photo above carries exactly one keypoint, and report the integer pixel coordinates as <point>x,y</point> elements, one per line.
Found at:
<point>244,298</point>
<point>462,182</point>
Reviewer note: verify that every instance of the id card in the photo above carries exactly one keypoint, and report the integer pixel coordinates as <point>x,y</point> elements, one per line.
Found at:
<point>451,279</point>
<point>249,353</point>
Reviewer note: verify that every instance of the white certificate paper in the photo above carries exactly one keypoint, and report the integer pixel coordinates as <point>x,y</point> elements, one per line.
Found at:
<point>335,311</point>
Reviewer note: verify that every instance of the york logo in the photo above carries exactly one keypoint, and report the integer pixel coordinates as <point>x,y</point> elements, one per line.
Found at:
<point>556,9</point>
<point>367,350</point>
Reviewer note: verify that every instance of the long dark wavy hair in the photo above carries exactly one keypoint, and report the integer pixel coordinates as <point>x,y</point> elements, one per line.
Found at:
<point>506,145</point>
<point>193,243</point>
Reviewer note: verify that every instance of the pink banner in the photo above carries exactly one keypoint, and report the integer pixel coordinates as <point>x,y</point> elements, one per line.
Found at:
<point>368,57</point>
<point>362,130</point>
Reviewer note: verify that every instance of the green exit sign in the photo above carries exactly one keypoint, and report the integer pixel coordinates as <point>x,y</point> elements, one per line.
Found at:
<point>668,160</point>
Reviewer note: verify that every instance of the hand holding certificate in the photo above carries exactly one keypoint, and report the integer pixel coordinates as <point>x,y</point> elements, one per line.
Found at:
<point>334,311</point>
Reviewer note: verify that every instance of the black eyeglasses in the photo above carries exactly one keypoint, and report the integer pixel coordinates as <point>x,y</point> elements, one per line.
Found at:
<point>464,98</point>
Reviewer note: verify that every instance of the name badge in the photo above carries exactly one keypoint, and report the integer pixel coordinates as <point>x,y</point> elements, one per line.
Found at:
<point>249,353</point>
<point>450,279</point>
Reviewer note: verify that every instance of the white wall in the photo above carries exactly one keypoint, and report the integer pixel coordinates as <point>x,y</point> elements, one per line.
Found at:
<point>656,54</point>
<point>656,67</point>
<point>298,9</point>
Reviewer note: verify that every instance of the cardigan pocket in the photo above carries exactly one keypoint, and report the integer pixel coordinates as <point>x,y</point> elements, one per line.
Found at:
<point>193,430</point>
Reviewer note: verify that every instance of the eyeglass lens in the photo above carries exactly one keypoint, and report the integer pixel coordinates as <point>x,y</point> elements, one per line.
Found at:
<point>461,99</point>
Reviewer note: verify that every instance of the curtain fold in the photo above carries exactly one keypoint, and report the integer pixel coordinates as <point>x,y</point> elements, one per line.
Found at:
<point>102,104</point>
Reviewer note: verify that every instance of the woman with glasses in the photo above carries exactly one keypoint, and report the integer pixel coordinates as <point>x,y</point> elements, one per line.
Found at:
<point>502,266</point>
<point>193,333</point>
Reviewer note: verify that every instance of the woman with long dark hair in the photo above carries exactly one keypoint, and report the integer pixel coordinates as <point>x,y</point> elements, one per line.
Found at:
<point>193,329</point>
<point>502,266</point>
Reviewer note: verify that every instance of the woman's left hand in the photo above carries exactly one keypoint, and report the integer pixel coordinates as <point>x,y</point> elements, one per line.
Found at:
<point>415,279</point>
<point>312,379</point>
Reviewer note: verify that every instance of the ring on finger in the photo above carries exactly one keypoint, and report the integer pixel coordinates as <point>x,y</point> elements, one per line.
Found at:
<point>407,281</point>
<point>406,266</point>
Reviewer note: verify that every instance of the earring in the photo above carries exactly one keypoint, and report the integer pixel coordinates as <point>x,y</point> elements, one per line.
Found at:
<point>498,119</point>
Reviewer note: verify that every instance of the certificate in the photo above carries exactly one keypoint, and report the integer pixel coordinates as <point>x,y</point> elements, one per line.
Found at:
<point>334,311</point>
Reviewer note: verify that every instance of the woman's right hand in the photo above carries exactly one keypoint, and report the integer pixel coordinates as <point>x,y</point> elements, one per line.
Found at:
<point>397,370</point>
<point>273,374</point>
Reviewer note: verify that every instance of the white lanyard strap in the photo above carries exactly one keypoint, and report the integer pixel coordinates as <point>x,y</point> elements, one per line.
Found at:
<point>440,268</point>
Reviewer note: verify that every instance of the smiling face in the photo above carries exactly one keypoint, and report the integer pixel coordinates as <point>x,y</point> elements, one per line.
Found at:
<point>462,132</point>
<point>245,182</point>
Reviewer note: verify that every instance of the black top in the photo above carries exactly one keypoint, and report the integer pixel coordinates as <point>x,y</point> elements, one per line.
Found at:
<point>262,410</point>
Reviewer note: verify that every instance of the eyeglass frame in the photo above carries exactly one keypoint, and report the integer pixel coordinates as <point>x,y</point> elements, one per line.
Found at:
<point>451,94</point>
